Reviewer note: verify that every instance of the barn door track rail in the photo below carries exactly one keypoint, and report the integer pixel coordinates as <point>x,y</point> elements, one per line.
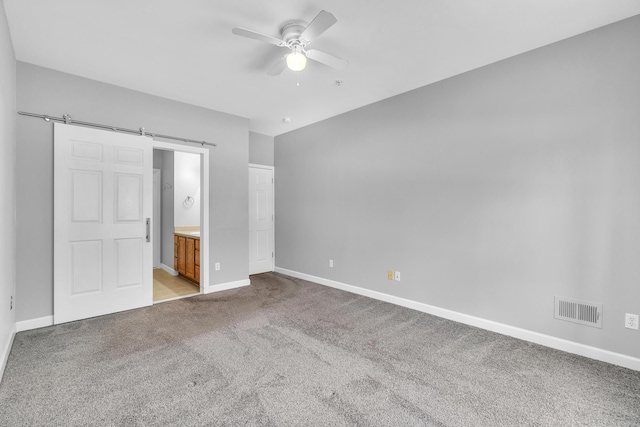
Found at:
<point>142,131</point>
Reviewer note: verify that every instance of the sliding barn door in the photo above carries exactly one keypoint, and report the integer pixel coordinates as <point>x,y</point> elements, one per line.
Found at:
<point>102,199</point>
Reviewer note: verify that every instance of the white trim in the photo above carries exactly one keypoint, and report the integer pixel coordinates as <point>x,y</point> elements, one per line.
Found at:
<point>255,165</point>
<point>177,298</point>
<point>40,322</point>
<point>168,269</point>
<point>204,224</point>
<point>45,321</point>
<point>226,286</point>
<point>489,325</point>
<point>157,218</point>
<point>205,237</point>
<point>6,350</point>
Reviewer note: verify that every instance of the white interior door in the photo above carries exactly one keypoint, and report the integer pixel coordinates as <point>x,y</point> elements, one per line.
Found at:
<point>102,201</point>
<point>261,220</point>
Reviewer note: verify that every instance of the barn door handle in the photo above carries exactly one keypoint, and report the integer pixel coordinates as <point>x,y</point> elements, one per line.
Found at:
<point>148,222</point>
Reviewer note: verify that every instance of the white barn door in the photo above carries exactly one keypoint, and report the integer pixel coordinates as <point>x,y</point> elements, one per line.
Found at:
<point>261,220</point>
<point>102,202</point>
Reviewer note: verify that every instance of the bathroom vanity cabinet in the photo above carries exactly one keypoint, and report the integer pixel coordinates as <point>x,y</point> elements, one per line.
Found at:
<point>187,256</point>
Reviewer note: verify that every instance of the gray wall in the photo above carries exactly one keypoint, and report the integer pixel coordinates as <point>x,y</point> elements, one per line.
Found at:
<point>168,208</point>
<point>260,149</point>
<point>7,184</point>
<point>46,91</point>
<point>490,192</point>
<point>157,159</point>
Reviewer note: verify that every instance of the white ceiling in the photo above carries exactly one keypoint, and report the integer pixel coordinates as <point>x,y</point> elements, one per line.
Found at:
<point>184,49</point>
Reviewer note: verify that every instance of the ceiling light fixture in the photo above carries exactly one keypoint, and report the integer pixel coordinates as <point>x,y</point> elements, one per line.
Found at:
<point>296,61</point>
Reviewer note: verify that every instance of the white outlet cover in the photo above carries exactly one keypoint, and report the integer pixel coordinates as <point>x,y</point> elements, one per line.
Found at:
<point>217,266</point>
<point>330,263</point>
<point>631,321</point>
<point>397,276</point>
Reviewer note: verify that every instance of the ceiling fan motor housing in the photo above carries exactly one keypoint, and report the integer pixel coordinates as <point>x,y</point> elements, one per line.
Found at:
<point>291,32</point>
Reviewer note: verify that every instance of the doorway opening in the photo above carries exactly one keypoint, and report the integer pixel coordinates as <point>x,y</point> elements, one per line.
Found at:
<point>181,218</point>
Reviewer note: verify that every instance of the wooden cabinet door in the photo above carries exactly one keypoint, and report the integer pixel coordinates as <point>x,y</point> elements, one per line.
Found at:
<point>197,261</point>
<point>175,253</point>
<point>182,255</point>
<point>190,266</point>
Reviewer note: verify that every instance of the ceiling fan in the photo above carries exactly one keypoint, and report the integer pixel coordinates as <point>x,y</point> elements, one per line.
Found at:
<point>296,36</point>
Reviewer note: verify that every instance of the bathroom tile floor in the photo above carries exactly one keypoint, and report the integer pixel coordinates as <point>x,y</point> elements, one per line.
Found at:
<point>166,286</point>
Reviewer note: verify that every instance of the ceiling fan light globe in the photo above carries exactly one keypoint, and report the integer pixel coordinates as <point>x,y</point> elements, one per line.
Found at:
<point>296,61</point>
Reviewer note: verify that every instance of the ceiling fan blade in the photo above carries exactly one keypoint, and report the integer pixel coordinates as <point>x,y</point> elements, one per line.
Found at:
<point>277,68</point>
<point>257,36</point>
<point>327,59</point>
<point>319,25</point>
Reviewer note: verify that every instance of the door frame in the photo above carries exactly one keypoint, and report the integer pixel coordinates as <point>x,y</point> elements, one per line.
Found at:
<point>273,209</point>
<point>205,231</point>
<point>157,218</point>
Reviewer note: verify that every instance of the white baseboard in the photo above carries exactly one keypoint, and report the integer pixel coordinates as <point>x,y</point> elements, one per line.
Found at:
<point>6,349</point>
<point>501,328</point>
<point>168,269</point>
<point>40,322</point>
<point>226,286</point>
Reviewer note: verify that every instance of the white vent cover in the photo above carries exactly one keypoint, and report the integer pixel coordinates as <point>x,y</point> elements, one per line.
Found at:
<point>582,312</point>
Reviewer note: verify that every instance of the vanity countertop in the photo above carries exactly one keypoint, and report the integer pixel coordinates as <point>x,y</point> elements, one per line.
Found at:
<point>192,232</point>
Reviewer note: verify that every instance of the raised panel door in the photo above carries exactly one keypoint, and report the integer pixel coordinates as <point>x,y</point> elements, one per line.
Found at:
<point>102,196</point>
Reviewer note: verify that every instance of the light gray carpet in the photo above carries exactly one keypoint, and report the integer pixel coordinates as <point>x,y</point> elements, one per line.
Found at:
<point>288,352</point>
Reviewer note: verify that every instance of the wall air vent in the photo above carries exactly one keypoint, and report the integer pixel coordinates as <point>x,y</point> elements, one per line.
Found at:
<point>582,312</point>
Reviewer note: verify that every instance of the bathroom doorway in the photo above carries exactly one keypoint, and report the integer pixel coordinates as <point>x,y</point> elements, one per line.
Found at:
<point>181,221</point>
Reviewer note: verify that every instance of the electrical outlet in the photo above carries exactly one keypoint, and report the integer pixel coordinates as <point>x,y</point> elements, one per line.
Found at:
<point>631,321</point>
<point>11,304</point>
<point>331,263</point>
<point>397,276</point>
<point>217,266</point>
<point>390,274</point>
